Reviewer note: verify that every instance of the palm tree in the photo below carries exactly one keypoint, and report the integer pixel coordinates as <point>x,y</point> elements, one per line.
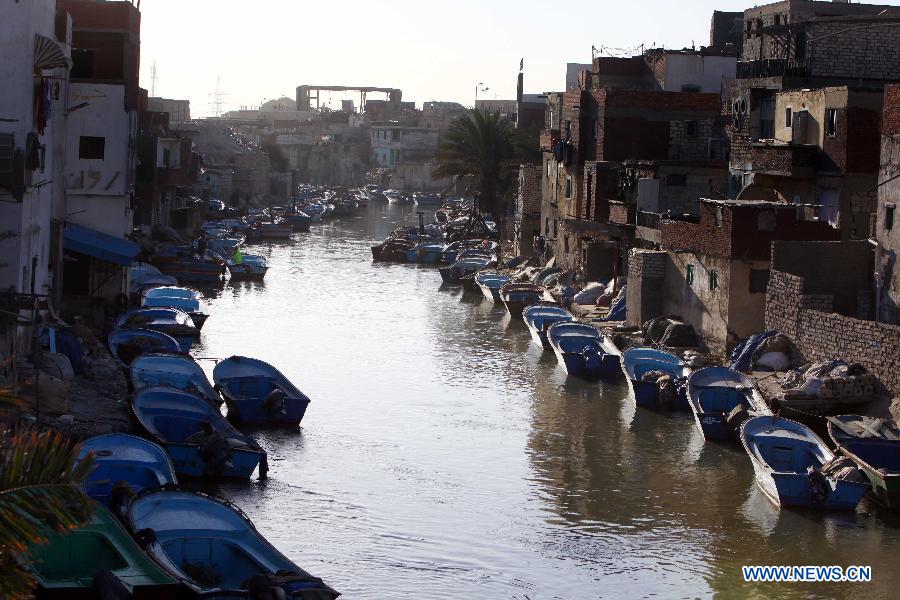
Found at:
<point>482,148</point>
<point>39,495</point>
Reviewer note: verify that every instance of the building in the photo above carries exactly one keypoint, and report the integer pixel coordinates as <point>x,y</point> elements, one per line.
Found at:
<point>393,144</point>
<point>887,231</point>
<point>714,273</point>
<point>179,111</point>
<point>527,212</point>
<point>35,45</point>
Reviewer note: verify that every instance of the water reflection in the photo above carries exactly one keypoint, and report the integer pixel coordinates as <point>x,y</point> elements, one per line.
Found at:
<point>445,456</point>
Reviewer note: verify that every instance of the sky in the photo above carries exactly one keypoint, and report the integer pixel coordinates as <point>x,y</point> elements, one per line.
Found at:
<point>432,50</point>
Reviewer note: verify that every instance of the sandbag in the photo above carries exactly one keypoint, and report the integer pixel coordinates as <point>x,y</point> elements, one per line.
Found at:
<point>811,387</point>
<point>679,335</point>
<point>776,361</point>
<point>778,343</point>
<point>52,395</point>
<point>57,365</point>
<point>590,293</point>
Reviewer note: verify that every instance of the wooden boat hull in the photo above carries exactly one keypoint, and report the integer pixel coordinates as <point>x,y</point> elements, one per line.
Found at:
<point>877,457</point>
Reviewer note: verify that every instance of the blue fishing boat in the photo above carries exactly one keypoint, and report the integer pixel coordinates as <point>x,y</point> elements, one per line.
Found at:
<point>198,439</point>
<point>299,220</point>
<point>425,252</point>
<point>190,301</point>
<point>180,261</point>
<point>720,398</point>
<point>118,457</point>
<point>179,372</point>
<point>257,392</point>
<point>450,253</point>
<point>490,284</point>
<point>126,344</point>
<point>252,267</point>
<point>539,318</point>
<point>652,376</point>
<point>466,266</point>
<point>519,296</point>
<point>793,466</point>
<point>169,320</point>
<point>212,548</point>
<point>874,445</point>
<point>583,351</point>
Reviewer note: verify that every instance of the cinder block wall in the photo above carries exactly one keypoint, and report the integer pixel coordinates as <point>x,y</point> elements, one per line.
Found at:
<point>646,275</point>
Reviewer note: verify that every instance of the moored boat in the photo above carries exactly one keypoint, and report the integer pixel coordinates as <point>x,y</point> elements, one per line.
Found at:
<point>251,267</point>
<point>392,250</point>
<point>179,372</point>
<point>165,319</point>
<point>181,262</point>
<point>583,351</point>
<point>96,556</point>
<point>652,377</point>
<point>721,399</point>
<point>257,392</point>
<point>425,252</point>
<point>466,267</point>
<point>119,458</point>
<point>127,344</point>
<point>198,439</point>
<point>794,467</point>
<point>518,296</point>
<point>190,301</point>
<point>490,284</point>
<point>539,317</point>
<point>874,445</point>
<point>211,547</point>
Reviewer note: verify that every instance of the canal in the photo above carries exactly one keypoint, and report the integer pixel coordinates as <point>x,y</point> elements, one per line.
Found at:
<point>444,456</point>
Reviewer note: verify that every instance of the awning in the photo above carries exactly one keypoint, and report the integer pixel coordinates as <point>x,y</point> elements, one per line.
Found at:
<point>99,245</point>
<point>48,54</point>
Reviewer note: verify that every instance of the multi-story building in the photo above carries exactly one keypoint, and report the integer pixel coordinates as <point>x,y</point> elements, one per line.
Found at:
<point>393,144</point>
<point>887,230</point>
<point>179,111</point>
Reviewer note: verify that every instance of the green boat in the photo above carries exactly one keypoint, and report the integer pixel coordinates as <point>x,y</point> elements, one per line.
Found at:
<point>66,567</point>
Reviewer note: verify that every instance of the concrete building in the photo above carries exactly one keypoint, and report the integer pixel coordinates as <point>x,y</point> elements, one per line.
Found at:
<point>35,46</point>
<point>393,144</point>
<point>887,230</point>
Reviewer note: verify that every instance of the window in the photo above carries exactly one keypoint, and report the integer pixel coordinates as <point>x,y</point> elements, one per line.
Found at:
<point>566,243</point>
<point>689,275</point>
<point>568,187</point>
<point>888,218</point>
<point>555,228</point>
<point>549,165</point>
<point>547,226</point>
<point>691,88</point>
<point>718,216</point>
<point>690,129</point>
<point>713,280</point>
<point>788,117</point>
<point>831,122</point>
<point>767,220</point>
<point>91,148</point>
<point>759,281</point>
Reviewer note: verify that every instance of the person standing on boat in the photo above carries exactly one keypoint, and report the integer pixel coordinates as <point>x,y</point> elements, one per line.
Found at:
<point>237,258</point>
<point>201,245</point>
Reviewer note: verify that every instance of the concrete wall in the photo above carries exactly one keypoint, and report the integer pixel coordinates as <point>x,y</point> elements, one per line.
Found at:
<point>888,272</point>
<point>707,72</point>
<point>646,277</point>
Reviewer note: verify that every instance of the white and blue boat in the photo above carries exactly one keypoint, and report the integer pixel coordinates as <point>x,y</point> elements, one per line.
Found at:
<point>641,367</point>
<point>465,267</point>
<point>583,351</point>
<point>451,251</point>
<point>182,298</point>
<point>251,267</point>
<point>714,392</point>
<point>874,445</point>
<point>788,460</point>
<point>166,319</point>
<point>257,392</point>
<point>140,341</point>
<point>519,296</point>
<point>171,370</point>
<point>198,439</point>
<point>490,284</point>
<point>196,534</point>
<point>539,318</point>
<point>119,457</point>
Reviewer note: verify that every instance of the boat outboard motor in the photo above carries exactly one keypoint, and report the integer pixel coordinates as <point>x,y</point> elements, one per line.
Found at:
<point>274,402</point>
<point>818,485</point>
<point>593,358</point>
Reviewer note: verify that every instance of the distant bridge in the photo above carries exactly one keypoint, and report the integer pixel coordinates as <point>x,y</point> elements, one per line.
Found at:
<point>307,93</point>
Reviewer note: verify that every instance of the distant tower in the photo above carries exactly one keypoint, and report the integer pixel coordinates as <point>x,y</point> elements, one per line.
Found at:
<point>153,80</point>
<point>217,98</point>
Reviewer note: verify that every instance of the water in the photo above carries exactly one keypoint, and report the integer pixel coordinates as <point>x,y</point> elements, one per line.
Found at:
<point>444,456</point>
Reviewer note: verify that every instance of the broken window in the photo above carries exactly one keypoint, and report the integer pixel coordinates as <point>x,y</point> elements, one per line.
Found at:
<point>91,148</point>
<point>831,122</point>
<point>689,275</point>
<point>713,280</point>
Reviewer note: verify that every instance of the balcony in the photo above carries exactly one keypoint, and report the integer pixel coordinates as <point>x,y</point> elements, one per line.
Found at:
<point>549,138</point>
<point>772,67</point>
<point>784,160</point>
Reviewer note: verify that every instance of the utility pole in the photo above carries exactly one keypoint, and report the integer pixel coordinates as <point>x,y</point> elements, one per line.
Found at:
<point>153,79</point>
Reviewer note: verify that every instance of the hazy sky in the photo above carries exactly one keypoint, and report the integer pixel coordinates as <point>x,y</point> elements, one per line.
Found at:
<point>432,50</point>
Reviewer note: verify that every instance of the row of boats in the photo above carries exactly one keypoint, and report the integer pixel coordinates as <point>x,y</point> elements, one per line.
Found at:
<point>793,465</point>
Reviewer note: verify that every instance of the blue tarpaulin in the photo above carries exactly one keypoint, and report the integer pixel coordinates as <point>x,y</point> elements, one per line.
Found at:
<point>99,245</point>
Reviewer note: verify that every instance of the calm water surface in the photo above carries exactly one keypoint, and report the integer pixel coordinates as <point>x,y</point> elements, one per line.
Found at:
<point>444,456</point>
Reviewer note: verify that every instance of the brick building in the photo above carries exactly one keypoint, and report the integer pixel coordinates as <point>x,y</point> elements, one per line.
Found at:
<point>717,269</point>
<point>527,209</point>
<point>887,232</point>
